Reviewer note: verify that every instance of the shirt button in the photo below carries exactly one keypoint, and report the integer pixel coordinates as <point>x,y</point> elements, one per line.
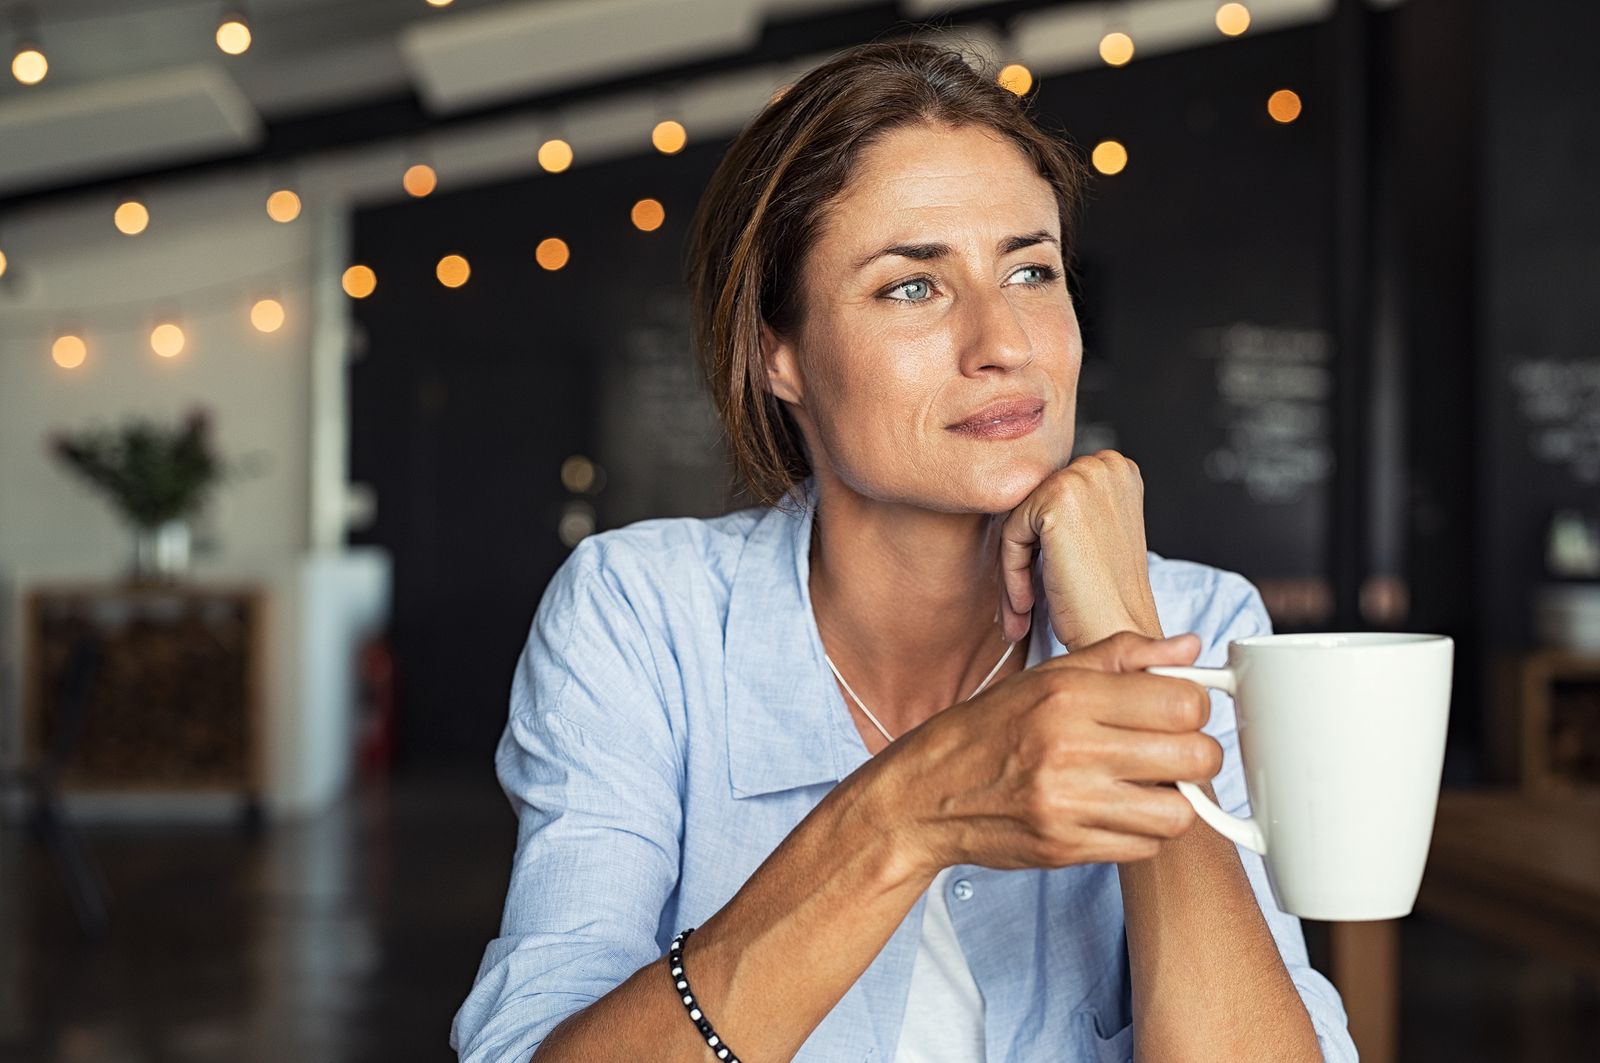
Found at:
<point>962,889</point>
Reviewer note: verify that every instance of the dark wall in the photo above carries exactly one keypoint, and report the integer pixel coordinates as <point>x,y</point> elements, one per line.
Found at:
<point>1539,275</point>
<point>1206,264</point>
<point>465,403</point>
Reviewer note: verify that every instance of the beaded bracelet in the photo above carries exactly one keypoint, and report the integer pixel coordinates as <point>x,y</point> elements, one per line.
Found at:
<point>681,980</point>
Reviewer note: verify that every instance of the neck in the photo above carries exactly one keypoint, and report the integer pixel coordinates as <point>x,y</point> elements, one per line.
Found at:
<point>905,601</point>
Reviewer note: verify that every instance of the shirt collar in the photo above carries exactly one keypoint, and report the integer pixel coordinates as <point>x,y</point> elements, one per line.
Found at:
<point>781,702</point>
<point>787,723</point>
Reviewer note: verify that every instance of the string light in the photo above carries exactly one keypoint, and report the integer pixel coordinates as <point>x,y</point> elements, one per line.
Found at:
<point>648,214</point>
<point>419,180</point>
<point>359,282</point>
<point>552,253</point>
<point>440,3</point>
<point>1116,48</point>
<point>1233,19</point>
<point>28,64</point>
<point>1015,78</point>
<point>1284,106</point>
<point>452,271</point>
<point>283,205</point>
<point>1110,157</point>
<point>669,137</point>
<point>233,33</point>
<point>69,351</point>
<point>2,263</point>
<point>131,217</point>
<point>578,474</point>
<point>555,155</point>
<point>267,315</point>
<point>166,339</point>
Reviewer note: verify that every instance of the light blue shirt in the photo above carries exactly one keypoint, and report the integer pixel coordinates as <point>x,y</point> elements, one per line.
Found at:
<point>672,719</point>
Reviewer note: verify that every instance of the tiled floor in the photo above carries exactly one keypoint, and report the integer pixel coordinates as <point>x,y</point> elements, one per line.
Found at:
<point>353,938</point>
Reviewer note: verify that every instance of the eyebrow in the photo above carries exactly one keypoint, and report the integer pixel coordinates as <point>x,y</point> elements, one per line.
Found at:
<point>925,252</point>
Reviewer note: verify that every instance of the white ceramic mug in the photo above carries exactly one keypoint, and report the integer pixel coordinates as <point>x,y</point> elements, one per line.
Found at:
<point>1342,740</point>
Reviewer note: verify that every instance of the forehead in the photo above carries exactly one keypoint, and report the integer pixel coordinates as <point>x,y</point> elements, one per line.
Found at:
<point>939,173</point>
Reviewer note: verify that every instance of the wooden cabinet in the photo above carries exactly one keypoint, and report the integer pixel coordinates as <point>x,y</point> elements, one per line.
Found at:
<point>1557,695</point>
<point>148,688</point>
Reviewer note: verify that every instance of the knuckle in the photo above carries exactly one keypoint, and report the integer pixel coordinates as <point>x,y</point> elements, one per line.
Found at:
<point>1039,805</point>
<point>1140,849</point>
<point>1202,757</point>
<point>1126,640</point>
<point>1177,816</point>
<point>1063,687</point>
<point>1193,707</point>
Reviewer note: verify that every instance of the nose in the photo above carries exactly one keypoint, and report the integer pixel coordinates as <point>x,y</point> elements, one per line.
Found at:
<point>994,336</point>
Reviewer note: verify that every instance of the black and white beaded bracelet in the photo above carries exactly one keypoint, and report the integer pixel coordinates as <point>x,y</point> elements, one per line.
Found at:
<point>703,1024</point>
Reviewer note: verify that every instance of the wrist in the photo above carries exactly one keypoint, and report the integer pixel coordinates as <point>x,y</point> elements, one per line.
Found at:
<point>1099,629</point>
<point>877,814</point>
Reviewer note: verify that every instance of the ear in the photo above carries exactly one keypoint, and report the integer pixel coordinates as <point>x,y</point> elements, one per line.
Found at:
<point>783,366</point>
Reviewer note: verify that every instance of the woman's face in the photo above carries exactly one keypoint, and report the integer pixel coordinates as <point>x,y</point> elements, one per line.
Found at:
<point>935,290</point>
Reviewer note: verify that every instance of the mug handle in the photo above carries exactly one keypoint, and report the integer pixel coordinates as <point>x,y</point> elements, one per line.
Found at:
<point>1239,830</point>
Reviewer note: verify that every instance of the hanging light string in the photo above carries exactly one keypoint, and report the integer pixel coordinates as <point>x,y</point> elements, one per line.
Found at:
<point>129,314</point>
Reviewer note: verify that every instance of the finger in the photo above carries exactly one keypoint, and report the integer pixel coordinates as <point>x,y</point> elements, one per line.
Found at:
<point>1156,757</point>
<point>1092,845</point>
<point>1019,540</point>
<point>1158,812</point>
<point>1134,700</point>
<point>1129,651</point>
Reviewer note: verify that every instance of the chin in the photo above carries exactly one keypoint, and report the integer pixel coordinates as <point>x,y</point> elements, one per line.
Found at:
<point>1006,489</point>
<point>993,488</point>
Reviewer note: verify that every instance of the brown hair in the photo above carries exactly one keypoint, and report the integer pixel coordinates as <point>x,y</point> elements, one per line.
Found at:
<point>768,198</point>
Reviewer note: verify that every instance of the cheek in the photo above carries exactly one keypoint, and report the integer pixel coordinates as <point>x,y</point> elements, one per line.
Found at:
<point>877,381</point>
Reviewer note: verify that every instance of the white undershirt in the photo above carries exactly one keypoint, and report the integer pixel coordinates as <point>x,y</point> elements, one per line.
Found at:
<point>944,1009</point>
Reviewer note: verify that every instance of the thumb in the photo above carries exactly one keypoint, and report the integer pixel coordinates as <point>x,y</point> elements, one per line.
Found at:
<point>1128,651</point>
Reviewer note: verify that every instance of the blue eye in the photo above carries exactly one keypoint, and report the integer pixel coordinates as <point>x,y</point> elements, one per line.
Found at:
<point>1046,274</point>
<point>907,284</point>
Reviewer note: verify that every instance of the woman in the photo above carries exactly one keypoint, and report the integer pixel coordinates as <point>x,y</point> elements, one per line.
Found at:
<point>759,726</point>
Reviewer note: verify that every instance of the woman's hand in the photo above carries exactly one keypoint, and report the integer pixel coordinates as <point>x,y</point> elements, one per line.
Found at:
<point>1054,765</point>
<point>1088,521</point>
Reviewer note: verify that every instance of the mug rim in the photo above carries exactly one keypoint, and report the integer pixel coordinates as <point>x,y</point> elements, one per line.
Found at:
<point>1364,640</point>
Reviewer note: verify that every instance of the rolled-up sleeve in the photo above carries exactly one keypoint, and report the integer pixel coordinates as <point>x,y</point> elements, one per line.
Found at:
<point>588,760</point>
<point>1246,615</point>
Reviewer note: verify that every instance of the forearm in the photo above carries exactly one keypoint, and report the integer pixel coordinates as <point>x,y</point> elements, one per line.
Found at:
<point>1208,980</point>
<point>771,964</point>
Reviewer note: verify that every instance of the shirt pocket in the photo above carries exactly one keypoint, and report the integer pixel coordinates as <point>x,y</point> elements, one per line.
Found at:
<point>1099,1046</point>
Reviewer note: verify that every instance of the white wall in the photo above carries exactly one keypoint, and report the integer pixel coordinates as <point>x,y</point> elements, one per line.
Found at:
<point>208,254</point>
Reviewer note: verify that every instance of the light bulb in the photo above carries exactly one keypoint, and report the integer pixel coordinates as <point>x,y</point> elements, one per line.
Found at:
<point>555,155</point>
<point>166,339</point>
<point>552,253</point>
<point>359,281</point>
<point>669,137</point>
<point>233,34</point>
<point>1110,157</point>
<point>1016,78</point>
<point>1233,19</point>
<point>283,205</point>
<point>131,217</point>
<point>267,315</point>
<point>1116,48</point>
<point>29,65</point>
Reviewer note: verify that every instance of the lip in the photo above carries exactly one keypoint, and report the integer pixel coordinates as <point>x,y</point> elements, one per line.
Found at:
<point>1005,419</point>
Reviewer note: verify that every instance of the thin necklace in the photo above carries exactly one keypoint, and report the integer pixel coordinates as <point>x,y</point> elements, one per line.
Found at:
<point>887,737</point>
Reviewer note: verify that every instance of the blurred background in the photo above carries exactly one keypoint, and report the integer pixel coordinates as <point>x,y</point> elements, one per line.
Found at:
<point>328,327</point>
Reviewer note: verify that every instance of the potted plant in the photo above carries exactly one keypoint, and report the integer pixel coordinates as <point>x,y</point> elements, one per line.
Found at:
<point>156,475</point>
